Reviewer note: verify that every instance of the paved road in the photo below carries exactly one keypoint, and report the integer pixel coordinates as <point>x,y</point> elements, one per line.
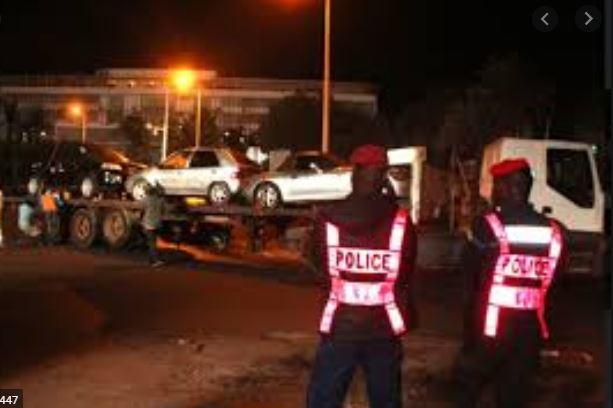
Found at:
<point>59,301</point>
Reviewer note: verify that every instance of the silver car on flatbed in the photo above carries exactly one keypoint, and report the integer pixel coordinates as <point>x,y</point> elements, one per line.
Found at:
<point>311,176</point>
<point>214,173</point>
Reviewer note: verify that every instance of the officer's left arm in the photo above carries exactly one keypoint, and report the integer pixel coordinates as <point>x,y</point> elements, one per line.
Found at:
<point>318,250</point>
<point>407,273</point>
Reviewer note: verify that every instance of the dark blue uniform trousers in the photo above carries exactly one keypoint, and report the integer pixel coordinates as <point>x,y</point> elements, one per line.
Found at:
<point>336,362</point>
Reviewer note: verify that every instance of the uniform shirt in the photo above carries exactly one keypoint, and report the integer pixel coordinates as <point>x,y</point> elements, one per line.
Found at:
<point>479,261</point>
<point>366,220</point>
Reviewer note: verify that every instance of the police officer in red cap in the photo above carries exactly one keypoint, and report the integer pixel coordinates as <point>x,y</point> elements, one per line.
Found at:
<point>367,249</point>
<point>512,259</point>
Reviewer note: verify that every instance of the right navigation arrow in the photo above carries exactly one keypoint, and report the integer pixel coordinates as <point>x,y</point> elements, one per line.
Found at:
<point>588,18</point>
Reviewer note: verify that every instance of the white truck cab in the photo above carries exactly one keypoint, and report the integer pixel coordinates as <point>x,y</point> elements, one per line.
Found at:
<point>406,172</point>
<point>566,184</point>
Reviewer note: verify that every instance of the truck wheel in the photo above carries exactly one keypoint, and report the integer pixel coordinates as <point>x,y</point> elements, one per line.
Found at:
<point>116,228</point>
<point>83,228</point>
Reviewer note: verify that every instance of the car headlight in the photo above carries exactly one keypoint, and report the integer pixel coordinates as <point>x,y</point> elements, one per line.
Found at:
<point>112,178</point>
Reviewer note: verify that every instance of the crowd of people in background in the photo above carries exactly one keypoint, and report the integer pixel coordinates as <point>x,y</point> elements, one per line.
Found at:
<point>37,217</point>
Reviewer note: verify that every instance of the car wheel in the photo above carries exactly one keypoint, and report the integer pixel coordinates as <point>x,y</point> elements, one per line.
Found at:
<point>219,193</point>
<point>268,196</point>
<point>139,189</point>
<point>35,185</point>
<point>88,187</point>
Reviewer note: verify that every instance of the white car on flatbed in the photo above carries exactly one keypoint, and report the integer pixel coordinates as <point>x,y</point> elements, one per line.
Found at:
<point>311,176</point>
<point>214,173</point>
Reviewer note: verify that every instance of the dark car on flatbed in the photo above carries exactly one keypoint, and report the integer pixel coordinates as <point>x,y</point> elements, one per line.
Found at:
<point>84,169</point>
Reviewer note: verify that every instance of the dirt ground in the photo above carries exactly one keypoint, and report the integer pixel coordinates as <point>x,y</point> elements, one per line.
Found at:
<point>269,371</point>
<point>194,334</point>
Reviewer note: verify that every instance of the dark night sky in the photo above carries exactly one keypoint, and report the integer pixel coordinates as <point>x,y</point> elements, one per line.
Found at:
<point>405,46</point>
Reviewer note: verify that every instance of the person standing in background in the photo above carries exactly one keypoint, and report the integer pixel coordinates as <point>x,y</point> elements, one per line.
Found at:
<point>152,221</point>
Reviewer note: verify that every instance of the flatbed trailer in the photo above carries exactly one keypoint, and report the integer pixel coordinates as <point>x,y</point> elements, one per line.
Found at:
<point>117,220</point>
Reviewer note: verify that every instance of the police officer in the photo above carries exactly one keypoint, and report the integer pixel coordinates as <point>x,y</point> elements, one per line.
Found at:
<point>512,258</point>
<point>367,249</point>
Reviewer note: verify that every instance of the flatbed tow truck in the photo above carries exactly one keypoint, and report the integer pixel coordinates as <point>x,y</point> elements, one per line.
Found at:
<point>116,221</point>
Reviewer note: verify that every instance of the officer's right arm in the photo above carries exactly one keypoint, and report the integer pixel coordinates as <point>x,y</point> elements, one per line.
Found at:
<point>477,259</point>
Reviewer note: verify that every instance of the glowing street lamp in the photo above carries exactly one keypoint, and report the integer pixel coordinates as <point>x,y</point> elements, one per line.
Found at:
<point>77,111</point>
<point>183,81</point>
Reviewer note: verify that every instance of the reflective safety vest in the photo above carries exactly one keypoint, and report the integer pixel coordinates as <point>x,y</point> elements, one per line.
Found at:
<point>353,261</point>
<point>521,281</point>
<point>48,203</point>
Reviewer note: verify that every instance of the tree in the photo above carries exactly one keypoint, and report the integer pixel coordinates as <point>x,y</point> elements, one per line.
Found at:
<point>182,130</point>
<point>509,97</point>
<point>239,139</point>
<point>4,125</point>
<point>134,129</point>
<point>295,123</point>
<point>32,123</point>
<point>351,129</point>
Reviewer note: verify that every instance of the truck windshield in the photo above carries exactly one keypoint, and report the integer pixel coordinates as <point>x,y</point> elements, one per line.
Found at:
<point>569,173</point>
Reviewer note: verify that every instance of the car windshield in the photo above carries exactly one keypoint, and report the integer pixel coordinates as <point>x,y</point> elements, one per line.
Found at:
<point>176,160</point>
<point>304,162</point>
<point>105,154</point>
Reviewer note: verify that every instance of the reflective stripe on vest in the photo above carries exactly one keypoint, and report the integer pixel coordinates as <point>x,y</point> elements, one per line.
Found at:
<point>370,261</point>
<point>530,267</point>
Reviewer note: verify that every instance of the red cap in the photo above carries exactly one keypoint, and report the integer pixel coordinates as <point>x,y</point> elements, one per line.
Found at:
<point>369,156</point>
<point>508,166</point>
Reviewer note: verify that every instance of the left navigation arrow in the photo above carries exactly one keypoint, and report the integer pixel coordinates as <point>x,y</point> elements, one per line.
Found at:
<point>545,19</point>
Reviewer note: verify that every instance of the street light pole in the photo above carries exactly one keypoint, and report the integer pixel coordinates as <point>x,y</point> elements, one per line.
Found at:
<point>83,127</point>
<point>198,123</point>
<point>166,120</point>
<point>325,131</point>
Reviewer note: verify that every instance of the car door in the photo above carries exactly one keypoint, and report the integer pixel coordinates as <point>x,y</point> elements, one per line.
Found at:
<point>334,180</point>
<point>170,174</point>
<point>202,171</point>
<point>314,179</point>
<point>302,179</point>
